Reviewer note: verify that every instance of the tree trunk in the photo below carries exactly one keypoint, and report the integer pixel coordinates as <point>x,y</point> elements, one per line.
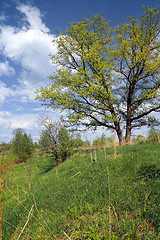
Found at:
<point>120,137</point>
<point>56,155</point>
<point>119,133</point>
<point>128,132</point>
<point>129,112</point>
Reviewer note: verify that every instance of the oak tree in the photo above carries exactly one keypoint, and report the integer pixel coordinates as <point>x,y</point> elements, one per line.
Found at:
<point>107,76</point>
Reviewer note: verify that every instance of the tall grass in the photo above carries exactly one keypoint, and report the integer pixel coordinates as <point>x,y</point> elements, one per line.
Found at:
<point>114,197</point>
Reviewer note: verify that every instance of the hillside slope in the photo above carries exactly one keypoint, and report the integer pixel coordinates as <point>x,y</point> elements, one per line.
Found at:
<point>116,197</point>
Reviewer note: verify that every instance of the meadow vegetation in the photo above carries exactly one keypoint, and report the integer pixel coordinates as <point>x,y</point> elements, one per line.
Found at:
<point>63,188</point>
<point>94,195</point>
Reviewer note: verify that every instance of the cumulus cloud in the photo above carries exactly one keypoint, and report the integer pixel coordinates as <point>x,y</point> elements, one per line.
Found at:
<point>30,122</point>
<point>9,122</point>
<point>4,92</point>
<point>5,69</point>
<point>33,17</point>
<point>28,47</point>
<point>13,121</point>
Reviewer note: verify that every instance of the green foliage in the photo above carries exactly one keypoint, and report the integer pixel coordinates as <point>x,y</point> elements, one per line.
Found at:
<point>96,142</point>
<point>77,142</point>
<point>86,143</point>
<point>22,144</point>
<point>116,198</point>
<point>102,141</point>
<point>107,76</point>
<point>5,146</point>
<point>65,144</point>
<point>56,140</point>
<point>154,136</point>
<point>139,139</point>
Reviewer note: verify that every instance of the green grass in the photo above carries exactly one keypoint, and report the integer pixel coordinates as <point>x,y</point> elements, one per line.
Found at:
<point>113,198</point>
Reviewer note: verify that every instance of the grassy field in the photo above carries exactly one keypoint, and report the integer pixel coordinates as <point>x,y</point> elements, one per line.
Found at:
<point>114,197</point>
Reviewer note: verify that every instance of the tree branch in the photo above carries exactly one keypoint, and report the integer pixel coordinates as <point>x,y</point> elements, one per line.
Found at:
<point>145,113</point>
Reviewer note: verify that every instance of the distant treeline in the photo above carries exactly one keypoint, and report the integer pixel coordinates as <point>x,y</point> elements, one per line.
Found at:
<point>57,143</point>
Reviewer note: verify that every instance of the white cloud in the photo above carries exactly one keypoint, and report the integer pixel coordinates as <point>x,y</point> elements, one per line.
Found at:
<point>13,121</point>
<point>9,122</point>
<point>26,121</point>
<point>30,122</point>
<point>4,114</point>
<point>29,47</point>
<point>5,69</point>
<point>33,17</point>
<point>26,48</point>
<point>4,92</point>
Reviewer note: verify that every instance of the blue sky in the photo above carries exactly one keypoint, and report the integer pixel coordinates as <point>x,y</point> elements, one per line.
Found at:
<point>26,31</point>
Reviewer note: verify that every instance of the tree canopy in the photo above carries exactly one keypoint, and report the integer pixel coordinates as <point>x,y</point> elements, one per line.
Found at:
<point>55,140</point>
<point>22,144</point>
<point>108,76</point>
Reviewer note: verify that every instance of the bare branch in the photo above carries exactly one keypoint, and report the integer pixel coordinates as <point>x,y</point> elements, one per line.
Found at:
<point>145,113</point>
